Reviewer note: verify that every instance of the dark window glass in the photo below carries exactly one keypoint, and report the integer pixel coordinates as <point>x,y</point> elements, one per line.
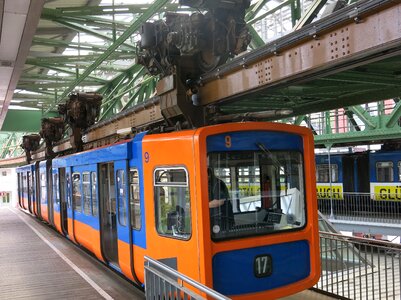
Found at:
<point>94,196</point>
<point>255,192</point>
<point>56,189</point>
<point>399,171</point>
<point>384,171</point>
<point>76,192</point>
<point>323,174</point>
<point>86,189</point>
<point>121,196</point>
<point>43,190</point>
<point>173,213</point>
<point>68,191</point>
<point>135,203</point>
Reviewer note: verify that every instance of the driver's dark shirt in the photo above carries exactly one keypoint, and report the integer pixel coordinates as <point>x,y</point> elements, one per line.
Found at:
<point>222,215</point>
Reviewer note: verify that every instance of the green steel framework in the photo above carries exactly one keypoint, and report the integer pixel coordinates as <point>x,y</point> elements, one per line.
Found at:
<point>48,79</point>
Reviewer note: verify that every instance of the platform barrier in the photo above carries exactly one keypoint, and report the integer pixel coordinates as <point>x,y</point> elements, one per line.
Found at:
<point>163,282</point>
<point>365,207</point>
<point>359,268</point>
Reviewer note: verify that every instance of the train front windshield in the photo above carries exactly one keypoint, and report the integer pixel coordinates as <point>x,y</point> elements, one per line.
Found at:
<point>257,193</point>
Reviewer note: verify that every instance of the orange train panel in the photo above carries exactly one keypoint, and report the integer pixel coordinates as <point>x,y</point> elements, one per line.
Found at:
<point>88,237</point>
<point>57,221</point>
<point>160,149</point>
<point>44,212</point>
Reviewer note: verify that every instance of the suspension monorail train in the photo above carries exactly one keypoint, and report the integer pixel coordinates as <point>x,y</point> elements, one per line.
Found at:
<point>377,173</point>
<point>366,181</point>
<point>150,196</point>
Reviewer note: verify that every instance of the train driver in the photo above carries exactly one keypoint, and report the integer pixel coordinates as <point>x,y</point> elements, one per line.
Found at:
<point>221,210</point>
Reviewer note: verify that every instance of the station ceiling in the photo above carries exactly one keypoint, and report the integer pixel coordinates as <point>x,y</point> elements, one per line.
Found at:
<point>89,45</point>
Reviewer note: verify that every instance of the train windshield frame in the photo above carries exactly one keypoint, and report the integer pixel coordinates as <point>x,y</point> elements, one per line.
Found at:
<point>261,192</point>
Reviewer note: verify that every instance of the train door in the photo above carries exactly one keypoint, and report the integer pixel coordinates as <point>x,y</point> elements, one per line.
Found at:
<point>29,190</point>
<point>123,216</point>
<point>19,189</point>
<point>362,174</point>
<point>349,180</point>
<point>70,213</point>
<point>107,194</point>
<point>24,191</point>
<point>50,201</point>
<point>32,191</point>
<point>37,190</point>
<point>63,201</point>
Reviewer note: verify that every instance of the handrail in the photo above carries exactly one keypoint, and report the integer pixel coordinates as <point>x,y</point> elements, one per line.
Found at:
<point>175,274</point>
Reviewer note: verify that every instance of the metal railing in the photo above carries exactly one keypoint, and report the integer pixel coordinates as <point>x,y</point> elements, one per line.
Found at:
<point>361,207</point>
<point>163,282</point>
<point>359,268</point>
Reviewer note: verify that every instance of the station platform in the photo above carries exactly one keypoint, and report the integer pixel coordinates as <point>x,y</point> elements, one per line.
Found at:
<point>37,263</point>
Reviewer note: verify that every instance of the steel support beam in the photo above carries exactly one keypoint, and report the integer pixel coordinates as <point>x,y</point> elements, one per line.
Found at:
<point>355,137</point>
<point>364,116</point>
<point>52,15</point>
<point>72,45</point>
<point>395,116</point>
<point>299,57</point>
<point>133,27</point>
<point>311,14</point>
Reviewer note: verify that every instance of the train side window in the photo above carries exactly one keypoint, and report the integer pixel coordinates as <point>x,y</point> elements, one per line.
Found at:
<point>76,192</point>
<point>172,202</point>
<point>94,196</point>
<point>122,203</point>
<point>56,189</point>
<point>31,188</point>
<point>68,190</point>
<point>323,174</point>
<point>86,193</point>
<point>399,171</point>
<point>19,186</point>
<point>134,199</point>
<point>25,185</point>
<point>384,171</point>
<point>43,190</point>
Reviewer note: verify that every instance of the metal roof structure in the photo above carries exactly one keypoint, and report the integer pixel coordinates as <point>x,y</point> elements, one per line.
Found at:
<point>90,45</point>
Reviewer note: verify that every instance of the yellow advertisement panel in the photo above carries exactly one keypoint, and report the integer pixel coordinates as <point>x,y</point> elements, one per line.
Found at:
<point>387,193</point>
<point>325,191</point>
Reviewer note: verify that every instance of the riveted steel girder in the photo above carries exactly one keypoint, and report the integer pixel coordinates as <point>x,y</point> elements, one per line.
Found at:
<point>300,59</point>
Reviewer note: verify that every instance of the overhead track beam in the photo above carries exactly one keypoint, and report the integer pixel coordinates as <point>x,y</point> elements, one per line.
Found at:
<point>310,53</point>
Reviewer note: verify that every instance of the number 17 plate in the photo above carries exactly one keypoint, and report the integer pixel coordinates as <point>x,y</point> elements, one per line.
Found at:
<point>262,265</point>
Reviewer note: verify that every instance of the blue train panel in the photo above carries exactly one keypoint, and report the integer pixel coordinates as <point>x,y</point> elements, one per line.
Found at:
<point>249,141</point>
<point>334,160</point>
<point>105,154</point>
<point>393,157</point>
<point>233,273</point>
<point>139,235</point>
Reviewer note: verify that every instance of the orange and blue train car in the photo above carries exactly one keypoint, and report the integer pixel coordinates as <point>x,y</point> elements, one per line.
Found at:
<point>232,206</point>
<point>27,187</point>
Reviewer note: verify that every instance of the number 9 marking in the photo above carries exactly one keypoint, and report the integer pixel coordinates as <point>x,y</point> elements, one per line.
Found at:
<point>227,139</point>
<point>147,157</point>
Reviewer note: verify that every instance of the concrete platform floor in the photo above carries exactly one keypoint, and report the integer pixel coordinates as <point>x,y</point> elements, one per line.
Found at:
<point>38,263</point>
